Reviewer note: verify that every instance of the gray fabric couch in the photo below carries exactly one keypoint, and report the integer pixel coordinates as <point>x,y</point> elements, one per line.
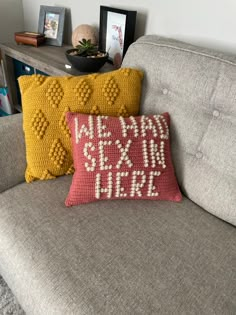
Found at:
<point>135,257</point>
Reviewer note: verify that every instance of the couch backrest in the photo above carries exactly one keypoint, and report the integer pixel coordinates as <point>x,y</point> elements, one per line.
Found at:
<point>197,87</point>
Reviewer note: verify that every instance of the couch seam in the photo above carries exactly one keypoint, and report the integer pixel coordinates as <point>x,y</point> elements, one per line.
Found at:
<point>187,50</point>
<point>2,191</point>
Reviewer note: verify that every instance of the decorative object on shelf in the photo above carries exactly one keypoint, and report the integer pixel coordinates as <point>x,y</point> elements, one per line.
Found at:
<point>51,24</point>
<point>116,32</point>
<point>86,57</point>
<point>83,31</point>
<point>29,38</point>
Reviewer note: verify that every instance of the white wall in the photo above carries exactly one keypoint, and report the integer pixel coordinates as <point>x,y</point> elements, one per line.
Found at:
<point>11,19</point>
<point>210,23</point>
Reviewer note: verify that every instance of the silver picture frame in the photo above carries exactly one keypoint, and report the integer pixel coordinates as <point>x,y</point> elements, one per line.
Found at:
<point>51,24</point>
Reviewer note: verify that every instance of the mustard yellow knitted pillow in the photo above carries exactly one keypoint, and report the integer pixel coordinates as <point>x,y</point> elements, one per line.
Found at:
<point>46,100</point>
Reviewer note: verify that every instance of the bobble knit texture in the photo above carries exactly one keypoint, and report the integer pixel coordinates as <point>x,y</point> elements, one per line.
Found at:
<point>121,158</point>
<point>45,102</point>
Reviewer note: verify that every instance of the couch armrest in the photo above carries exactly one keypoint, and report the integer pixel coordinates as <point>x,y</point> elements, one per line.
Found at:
<point>12,151</point>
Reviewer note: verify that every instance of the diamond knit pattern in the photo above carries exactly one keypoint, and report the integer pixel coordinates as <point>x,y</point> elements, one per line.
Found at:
<point>47,175</point>
<point>54,93</point>
<point>110,90</point>
<point>95,110</point>
<point>39,79</point>
<point>57,153</point>
<point>123,111</point>
<point>39,124</point>
<point>83,92</point>
<point>63,124</point>
<point>45,102</point>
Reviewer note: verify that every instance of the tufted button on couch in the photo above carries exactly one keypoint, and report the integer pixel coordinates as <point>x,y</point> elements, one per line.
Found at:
<point>135,257</point>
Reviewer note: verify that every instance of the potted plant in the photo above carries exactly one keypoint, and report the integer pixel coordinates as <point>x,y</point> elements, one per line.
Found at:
<point>86,57</point>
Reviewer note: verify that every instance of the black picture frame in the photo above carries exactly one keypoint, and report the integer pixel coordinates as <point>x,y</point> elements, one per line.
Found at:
<point>51,24</point>
<point>116,32</point>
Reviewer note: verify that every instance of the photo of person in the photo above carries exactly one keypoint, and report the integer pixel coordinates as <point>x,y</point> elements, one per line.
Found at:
<point>51,25</point>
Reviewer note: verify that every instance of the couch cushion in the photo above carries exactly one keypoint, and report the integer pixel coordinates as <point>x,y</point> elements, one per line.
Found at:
<point>45,101</point>
<point>8,303</point>
<point>118,257</point>
<point>12,152</point>
<point>197,87</point>
<point>121,158</point>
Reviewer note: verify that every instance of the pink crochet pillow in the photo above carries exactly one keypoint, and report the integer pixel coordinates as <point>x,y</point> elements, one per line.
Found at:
<point>121,158</point>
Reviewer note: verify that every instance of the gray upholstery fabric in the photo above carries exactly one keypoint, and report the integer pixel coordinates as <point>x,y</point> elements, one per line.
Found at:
<point>198,88</point>
<point>119,257</point>
<point>12,151</point>
<point>8,303</point>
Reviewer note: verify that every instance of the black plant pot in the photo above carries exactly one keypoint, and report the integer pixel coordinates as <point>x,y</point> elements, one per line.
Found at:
<point>86,64</point>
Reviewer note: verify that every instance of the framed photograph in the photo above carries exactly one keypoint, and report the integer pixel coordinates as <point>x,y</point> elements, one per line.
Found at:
<point>116,32</point>
<point>51,24</point>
